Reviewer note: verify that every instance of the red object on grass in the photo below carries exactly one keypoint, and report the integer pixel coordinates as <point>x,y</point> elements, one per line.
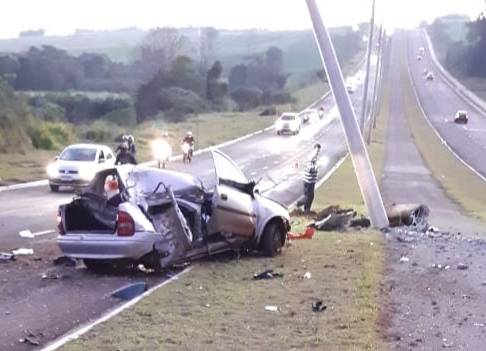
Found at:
<point>307,234</point>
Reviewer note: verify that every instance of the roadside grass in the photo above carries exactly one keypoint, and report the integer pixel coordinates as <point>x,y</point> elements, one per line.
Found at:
<point>218,306</point>
<point>460,183</point>
<point>209,129</point>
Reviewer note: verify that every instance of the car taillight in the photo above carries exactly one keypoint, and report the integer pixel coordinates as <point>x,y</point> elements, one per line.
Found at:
<point>60,225</point>
<point>124,224</point>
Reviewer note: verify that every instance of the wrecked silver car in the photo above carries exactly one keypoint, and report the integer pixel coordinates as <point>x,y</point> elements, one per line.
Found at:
<point>137,214</point>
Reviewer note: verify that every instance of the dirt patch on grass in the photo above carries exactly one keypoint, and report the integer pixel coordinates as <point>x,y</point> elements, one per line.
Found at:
<point>219,305</point>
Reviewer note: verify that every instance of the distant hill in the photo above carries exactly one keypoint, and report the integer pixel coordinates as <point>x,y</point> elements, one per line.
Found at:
<point>232,47</point>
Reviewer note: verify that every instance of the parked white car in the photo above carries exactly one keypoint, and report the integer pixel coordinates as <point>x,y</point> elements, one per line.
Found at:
<point>77,165</point>
<point>288,123</point>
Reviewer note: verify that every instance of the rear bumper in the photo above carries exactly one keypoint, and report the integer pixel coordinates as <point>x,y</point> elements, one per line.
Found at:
<point>107,246</point>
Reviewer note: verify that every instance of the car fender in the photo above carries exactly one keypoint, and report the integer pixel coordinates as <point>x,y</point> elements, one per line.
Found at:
<point>142,223</point>
<point>268,210</point>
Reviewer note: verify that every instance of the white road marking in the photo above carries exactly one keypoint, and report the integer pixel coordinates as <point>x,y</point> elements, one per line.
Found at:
<point>28,234</point>
<point>83,329</point>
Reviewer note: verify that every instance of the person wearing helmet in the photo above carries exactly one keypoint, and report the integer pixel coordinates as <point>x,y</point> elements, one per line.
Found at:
<point>124,139</point>
<point>189,138</point>
<point>131,145</point>
<point>125,156</point>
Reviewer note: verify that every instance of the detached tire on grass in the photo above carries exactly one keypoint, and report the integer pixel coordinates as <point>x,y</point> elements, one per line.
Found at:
<point>273,239</point>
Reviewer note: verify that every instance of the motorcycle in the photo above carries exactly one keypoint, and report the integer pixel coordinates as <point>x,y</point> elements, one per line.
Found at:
<point>162,152</point>
<point>187,152</point>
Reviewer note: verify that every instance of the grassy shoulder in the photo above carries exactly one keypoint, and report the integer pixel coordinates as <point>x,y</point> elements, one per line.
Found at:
<point>460,183</point>
<point>209,129</point>
<point>217,305</point>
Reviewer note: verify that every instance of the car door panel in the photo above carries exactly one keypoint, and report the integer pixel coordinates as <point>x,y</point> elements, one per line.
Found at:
<point>232,211</point>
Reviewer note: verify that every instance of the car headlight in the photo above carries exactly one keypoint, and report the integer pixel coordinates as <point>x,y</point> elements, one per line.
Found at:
<point>86,173</point>
<point>52,170</point>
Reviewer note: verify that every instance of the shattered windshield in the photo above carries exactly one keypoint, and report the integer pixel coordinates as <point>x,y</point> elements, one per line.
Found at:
<point>79,154</point>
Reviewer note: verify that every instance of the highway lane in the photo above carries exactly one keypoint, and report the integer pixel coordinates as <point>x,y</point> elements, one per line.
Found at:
<point>27,301</point>
<point>440,103</point>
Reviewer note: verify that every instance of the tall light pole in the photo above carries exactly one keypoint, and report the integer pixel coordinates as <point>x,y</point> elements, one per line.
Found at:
<point>375,86</point>
<point>364,102</point>
<point>356,146</point>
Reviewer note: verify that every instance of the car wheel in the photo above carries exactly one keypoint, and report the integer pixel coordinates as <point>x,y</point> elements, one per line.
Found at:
<point>278,132</point>
<point>273,239</point>
<point>54,188</point>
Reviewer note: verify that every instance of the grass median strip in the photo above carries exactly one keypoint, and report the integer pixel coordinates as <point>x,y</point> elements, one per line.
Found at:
<point>459,182</point>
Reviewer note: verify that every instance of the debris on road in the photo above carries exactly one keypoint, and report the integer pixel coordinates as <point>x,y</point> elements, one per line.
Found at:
<point>268,274</point>
<point>407,215</point>
<point>307,275</point>
<point>6,256</point>
<point>50,276</point>
<point>23,252</point>
<point>271,308</point>
<point>404,259</point>
<point>29,340</point>
<point>130,291</point>
<point>318,306</point>
<point>307,234</point>
<point>462,266</point>
<point>64,261</point>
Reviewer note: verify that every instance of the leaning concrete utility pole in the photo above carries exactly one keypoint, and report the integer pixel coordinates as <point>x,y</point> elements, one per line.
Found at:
<point>375,87</point>
<point>364,102</point>
<point>356,146</point>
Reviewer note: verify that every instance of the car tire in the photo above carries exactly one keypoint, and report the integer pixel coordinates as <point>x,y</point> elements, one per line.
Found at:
<point>273,239</point>
<point>54,188</point>
<point>278,132</point>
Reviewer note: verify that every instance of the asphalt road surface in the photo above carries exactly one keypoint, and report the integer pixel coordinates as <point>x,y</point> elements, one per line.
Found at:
<point>434,284</point>
<point>441,103</point>
<point>47,308</point>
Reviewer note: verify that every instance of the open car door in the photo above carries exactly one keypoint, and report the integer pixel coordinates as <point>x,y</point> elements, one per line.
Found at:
<point>232,200</point>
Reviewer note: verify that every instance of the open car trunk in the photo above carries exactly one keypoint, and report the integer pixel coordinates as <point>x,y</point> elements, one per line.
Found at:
<point>89,215</point>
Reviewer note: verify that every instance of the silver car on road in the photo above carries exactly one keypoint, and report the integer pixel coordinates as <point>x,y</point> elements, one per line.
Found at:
<point>137,214</point>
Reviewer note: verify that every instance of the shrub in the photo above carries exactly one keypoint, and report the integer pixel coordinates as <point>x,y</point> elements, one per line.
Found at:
<point>50,135</point>
<point>122,116</point>
<point>247,98</point>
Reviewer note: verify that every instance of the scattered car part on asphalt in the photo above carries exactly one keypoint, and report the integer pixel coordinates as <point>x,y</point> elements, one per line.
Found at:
<point>271,308</point>
<point>318,306</point>
<point>404,259</point>
<point>307,275</point>
<point>130,291</point>
<point>268,274</point>
<point>50,276</point>
<point>23,252</point>
<point>6,256</point>
<point>462,266</point>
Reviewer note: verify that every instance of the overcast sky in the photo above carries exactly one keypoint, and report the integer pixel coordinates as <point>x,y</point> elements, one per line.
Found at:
<point>60,17</point>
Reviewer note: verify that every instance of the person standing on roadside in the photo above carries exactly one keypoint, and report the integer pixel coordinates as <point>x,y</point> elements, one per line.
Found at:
<point>311,172</point>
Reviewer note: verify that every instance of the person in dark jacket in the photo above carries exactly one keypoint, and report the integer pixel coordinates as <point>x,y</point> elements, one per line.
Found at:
<point>131,145</point>
<point>125,156</point>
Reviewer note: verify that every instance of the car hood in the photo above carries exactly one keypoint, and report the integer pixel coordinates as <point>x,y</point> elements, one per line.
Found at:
<point>272,207</point>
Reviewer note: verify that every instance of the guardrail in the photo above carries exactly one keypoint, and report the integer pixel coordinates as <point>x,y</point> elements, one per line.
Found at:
<point>467,95</point>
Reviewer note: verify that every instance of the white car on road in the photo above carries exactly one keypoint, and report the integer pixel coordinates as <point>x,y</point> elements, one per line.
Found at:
<point>288,123</point>
<point>77,165</point>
